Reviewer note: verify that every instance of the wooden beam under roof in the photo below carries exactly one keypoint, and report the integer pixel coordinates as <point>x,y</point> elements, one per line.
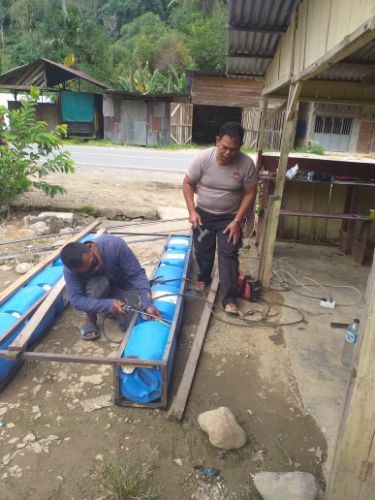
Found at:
<point>258,29</point>
<point>248,56</point>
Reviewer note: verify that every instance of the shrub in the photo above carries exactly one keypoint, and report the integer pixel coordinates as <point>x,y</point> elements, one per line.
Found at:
<point>28,152</point>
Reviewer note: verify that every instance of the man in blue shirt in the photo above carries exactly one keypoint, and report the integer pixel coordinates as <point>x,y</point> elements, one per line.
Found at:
<point>101,277</point>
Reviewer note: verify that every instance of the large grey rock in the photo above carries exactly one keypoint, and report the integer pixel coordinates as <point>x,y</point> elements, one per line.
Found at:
<point>67,217</point>
<point>222,429</point>
<point>286,485</point>
<point>23,267</point>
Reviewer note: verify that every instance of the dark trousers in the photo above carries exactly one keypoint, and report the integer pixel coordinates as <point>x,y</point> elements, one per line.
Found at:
<point>227,253</point>
<point>99,287</point>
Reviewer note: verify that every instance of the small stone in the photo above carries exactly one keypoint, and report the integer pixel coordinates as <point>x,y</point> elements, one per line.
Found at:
<point>13,440</point>
<point>10,425</point>
<point>291,485</point>
<point>37,448</point>
<point>65,230</point>
<point>40,228</point>
<point>21,445</point>
<point>35,409</point>
<point>4,476</point>
<point>99,457</point>
<point>222,429</point>
<point>29,438</point>
<point>23,267</point>
<point>178,461</point>
<point>6,459</point>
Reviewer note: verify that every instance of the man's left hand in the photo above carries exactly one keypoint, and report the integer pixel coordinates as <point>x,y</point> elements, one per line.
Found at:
<point>234,232</point>
<point>154,311</point>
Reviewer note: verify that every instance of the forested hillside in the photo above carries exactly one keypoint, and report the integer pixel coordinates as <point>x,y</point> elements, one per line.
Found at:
<point>141,45</point>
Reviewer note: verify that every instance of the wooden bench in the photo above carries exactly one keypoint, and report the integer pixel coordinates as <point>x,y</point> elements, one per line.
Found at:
<point>347,240</point>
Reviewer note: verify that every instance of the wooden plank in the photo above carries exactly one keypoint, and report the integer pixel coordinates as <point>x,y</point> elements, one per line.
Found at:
<point>20,342</point>
<point>12,289</point>
<point>177,408</point>
<point>352,475</point>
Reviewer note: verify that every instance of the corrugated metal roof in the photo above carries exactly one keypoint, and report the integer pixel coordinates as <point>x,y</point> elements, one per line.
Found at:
<point>239,66</point>
<point>245,42</point>
<point>261,13</point>
<point>255,28</point>
<point>44,74</point>
<point>254,31</point>
<point>358,67</point>
<point>349,72</point>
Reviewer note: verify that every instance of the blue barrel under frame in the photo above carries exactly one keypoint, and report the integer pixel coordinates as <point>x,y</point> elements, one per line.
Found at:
<point>19,303</point>
<point>147,339</point>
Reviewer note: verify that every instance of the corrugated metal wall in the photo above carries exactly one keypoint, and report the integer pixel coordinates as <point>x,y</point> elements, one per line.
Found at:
<point>136,121</point>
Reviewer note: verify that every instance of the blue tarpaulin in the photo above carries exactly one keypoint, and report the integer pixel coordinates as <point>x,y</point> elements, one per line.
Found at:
<point>77,107</point>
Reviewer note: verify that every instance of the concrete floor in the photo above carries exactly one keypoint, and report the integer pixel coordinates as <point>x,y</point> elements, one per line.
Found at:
<point>315,347</point>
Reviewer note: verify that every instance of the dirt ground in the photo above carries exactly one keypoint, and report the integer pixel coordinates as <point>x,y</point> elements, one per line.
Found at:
<point>52,449</point>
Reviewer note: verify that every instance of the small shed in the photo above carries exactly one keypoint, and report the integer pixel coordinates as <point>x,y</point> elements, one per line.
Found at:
<point>217,98</point>
<point>131,118</point>
<point>81,111</point>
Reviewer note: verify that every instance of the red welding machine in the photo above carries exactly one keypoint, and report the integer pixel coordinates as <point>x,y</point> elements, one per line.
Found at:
<point>248,287</point>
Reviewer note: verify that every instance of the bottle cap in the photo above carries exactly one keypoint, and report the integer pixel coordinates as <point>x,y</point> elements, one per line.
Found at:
<point>356,320</point>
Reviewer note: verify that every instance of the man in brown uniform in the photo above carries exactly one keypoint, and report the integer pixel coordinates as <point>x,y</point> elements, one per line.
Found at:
<point>225,182</point>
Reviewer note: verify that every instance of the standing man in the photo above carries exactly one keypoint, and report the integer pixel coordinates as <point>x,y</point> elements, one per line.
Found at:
<point>225,180</point>
<point>101,277</point>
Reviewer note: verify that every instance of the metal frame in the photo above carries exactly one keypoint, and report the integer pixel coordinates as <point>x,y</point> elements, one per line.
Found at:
<point>166,364</point>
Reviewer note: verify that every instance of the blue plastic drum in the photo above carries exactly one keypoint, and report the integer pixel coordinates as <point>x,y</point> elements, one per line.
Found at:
<point>22,300</point>
<point>169,275</point>
<point>47,278</point>
<point>147,341</point>
<point>167,309</point>
<point>173,258</point>
<point>166,293</point>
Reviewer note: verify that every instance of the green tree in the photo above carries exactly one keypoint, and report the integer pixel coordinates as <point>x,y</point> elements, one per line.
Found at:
<point>29,152</point>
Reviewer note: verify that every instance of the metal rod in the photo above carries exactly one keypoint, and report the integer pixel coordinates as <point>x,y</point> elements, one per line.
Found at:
<point>75,358</point>
<point>159,221</point>
<point>41,237</point>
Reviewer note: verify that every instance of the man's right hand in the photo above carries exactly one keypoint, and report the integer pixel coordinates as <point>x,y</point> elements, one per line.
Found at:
<point>118,307</point>
<point>195,219</point>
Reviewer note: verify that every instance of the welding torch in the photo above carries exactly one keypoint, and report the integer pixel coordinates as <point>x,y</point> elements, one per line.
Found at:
<point>128,308</point>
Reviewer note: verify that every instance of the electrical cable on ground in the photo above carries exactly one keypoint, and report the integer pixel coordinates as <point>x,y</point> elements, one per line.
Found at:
<point>289,282</point>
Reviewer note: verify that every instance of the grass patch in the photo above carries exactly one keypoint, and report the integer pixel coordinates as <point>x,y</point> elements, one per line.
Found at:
<point>128,482</point>
<point>91,142</point>
<point>176,147</point>
<point>311,148</point>
<point>90,210</point>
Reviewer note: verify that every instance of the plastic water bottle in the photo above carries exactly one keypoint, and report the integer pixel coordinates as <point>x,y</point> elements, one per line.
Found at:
<point>351,338</point>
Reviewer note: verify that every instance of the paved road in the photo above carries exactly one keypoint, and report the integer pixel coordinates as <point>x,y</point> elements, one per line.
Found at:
<point>131,158</point>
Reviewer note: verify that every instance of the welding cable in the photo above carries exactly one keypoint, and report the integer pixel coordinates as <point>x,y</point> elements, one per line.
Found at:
<point>287,286</point>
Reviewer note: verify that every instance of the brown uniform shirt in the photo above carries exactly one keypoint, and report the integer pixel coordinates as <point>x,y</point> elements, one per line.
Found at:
<point>220,188</point>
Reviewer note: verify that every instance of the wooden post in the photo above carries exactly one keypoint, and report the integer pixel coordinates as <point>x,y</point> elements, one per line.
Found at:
<point>352,474</point>
<point>265,265</point>
<point>261,132</point>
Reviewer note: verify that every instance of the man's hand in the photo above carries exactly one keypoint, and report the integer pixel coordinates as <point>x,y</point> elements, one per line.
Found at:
<point>154,311</point>
<point>118,307</point>
<point>195,219</point>
<point>234,231</point>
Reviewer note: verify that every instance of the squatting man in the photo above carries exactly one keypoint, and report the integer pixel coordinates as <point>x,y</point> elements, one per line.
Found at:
<point>102,276</point>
